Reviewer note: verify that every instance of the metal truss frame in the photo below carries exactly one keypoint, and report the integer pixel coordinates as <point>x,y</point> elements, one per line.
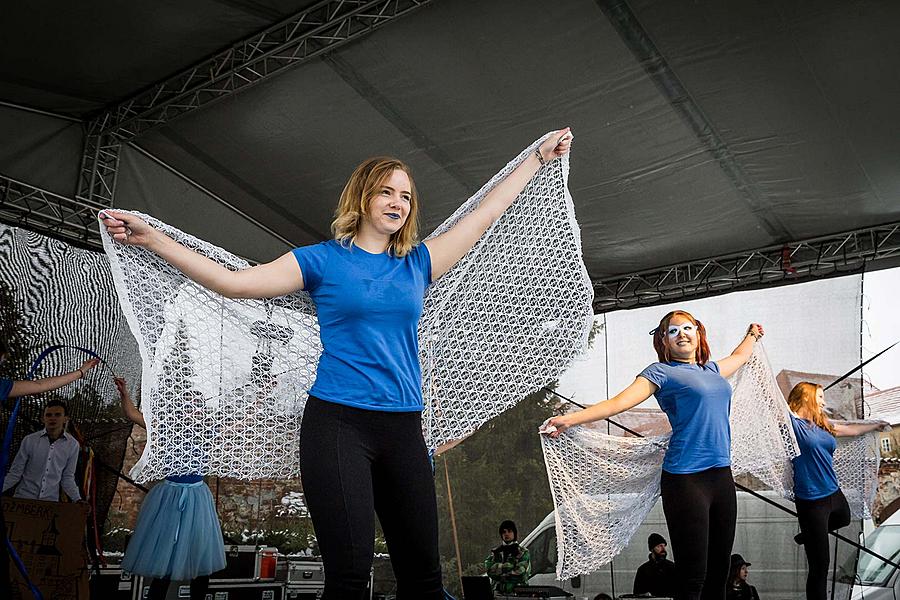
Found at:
<point>99,164</point>
<point>71,220</point>
<point>74,221</point>
<point>320,28</point>
<point>317,29</point>
<point>789,263</point>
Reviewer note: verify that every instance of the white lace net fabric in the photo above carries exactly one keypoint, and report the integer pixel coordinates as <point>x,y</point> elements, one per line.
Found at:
<point>224,381</point>
<point>604,486</point>
<point>856,463</point>
<point>762,437</point>
<point>513,314</point>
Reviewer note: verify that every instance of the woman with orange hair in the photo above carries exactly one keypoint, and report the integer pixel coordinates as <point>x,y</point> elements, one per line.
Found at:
<point>697,487</point>
<point>362,450</point>
<point>821,506</point>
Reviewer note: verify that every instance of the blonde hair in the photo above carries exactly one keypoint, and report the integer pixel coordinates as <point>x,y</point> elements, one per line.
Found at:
<point>803,399</point>
<point>365,182</point>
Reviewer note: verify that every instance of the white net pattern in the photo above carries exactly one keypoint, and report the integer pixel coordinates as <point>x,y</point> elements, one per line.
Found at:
<point>856,462</point>
<point>224,381</point>
<point>762,437</point>
<point>513,315</point>
<point>603,486</point>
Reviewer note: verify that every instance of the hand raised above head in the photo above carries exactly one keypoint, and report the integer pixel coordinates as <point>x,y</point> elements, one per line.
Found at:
<point>557,144</point>
<point>756,330</point>
<point>126,228</point>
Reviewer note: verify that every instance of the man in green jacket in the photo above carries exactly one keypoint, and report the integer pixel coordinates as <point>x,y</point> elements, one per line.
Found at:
<point>508,565</point>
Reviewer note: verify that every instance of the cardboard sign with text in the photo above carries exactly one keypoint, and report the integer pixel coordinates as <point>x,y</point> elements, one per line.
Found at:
<point>49,537</point>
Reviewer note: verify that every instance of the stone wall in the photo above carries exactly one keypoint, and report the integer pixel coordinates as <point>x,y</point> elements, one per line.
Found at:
<point>888,487</point>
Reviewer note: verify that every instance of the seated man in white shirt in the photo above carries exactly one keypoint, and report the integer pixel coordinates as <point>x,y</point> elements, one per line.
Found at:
<point>46,460</point>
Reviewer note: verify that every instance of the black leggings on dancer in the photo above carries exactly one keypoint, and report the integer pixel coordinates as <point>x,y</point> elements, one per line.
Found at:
<point>356,463</point>
<point>817,518</point>
<point>160,587</point>
<point>700,509</point>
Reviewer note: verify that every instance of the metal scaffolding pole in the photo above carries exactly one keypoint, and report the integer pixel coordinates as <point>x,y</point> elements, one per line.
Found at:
<point>99,164</point>
<point>789,263</point>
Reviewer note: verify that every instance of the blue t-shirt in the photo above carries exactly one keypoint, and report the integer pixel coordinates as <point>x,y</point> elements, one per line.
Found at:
<point>697,401</point>
<point>814,475</point>
<point>368,307</point>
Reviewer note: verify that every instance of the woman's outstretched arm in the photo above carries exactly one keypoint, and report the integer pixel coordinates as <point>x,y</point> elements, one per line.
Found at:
<point>851,429</point>
<point>447,248</point>
<point>276,278</point>
<point>48,384</point>
<point>639,390</point>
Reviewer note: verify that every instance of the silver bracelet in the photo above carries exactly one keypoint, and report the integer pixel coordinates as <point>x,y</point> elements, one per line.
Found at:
<point>540,157</point>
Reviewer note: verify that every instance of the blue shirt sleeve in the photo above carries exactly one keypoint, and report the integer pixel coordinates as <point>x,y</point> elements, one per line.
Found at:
<point>312,261</point>
<point>656,374</point>
<point>5,389</point>
<point>422,259</point>
<point>713,365</point>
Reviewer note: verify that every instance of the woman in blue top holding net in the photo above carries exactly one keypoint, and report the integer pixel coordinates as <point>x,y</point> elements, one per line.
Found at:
<point>361,450</point>
<point>697,487</point>
<point>821,506</point>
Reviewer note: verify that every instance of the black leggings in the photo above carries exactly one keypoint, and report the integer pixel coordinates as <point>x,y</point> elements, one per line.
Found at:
<point>817,518</point>
<point>355,463</point>
<point>700,509</point>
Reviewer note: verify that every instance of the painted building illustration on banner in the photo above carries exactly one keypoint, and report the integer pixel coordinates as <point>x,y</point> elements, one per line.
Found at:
<point>49,538</point>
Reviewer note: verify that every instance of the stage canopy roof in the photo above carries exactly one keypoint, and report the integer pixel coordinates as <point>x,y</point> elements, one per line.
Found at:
<point>702,128</point>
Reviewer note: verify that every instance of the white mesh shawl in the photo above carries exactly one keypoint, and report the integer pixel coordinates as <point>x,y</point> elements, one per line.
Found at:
<point>603,486</point>
<point>224,381</point>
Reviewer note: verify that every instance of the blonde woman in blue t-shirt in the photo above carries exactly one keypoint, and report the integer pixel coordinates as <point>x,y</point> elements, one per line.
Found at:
<point>697,486</point>
<point>821,505</point>
<point>362,450</point>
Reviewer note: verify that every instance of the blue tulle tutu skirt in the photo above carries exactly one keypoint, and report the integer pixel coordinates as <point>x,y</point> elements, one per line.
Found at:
<point>178,535</point>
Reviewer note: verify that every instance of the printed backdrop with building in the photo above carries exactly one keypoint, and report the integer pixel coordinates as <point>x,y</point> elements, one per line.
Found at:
<point>49,537</point>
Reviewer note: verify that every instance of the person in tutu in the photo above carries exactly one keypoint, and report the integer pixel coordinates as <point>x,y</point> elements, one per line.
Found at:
<point>178,535</point>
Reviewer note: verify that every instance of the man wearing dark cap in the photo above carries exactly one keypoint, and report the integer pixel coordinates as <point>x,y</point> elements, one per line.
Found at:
<point>509,564</point>
<point>656,576</point>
